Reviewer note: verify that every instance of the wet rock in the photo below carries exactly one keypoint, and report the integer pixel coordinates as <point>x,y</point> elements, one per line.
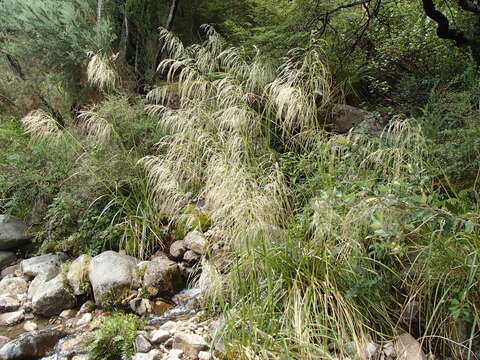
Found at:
<point>177,249</point>
<point>110,273</point>
<point>140,306</point>
<point>142,345</point>
<point>77,275</point>
<point>8,303</point>
<point>71,346</point>
<point>158,336</point>
<point>13,232</point>
<point>41,279</point>
<point>32,345</point>
<point>407,348</point>
<point>42,263</point>
<point>191,256</point>
<point>196,241</point>
<point>30,326</point>
<point>159,307</point>
<point>11,318</point>
<point>191,344</point>
<point>3,340</point>
<point>13,286</point>
<point>53,297</point>
<point>6,258</point>
<point>162,275</point>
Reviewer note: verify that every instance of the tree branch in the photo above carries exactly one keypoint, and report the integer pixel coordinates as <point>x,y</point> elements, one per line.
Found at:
<point>443,30</point>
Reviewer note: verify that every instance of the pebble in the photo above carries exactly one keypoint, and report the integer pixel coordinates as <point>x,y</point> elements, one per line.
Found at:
<point>30,326</point>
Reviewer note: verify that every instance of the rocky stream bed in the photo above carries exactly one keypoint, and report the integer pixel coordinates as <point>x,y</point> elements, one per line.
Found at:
<point>50,304</point>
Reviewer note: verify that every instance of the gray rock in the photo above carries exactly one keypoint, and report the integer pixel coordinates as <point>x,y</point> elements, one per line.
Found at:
<point>158,336</point>
<point>142,345</point>
<point>407,348</point>
<point>77,275</point>
<point>196,241</point>
<point>31,345</point>
<point>13,232</point>
<point>11,270</point>
<point>190,344</point>
<point>140,306</point>
<point>6,258</point>
<point>42,263</point>
<point>162,275</point>
<point>346,117</point>
<point>11,318</point>
<point>40,280</point>
<point>110,273</point>
<point>177,249</point>
<point>204,355</point>
<point>53,297</point>
<point>8,303</point>
<point>366,351</point>
<point>13,286</point>
<point>174,354</point>
<point>191,256</point>
<point>154,354</point>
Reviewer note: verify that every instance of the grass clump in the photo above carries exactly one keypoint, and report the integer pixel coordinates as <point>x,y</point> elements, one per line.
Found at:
<point>115,338</point>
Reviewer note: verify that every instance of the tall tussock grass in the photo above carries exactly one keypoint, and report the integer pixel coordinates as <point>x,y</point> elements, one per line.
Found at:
<point>331,236</point>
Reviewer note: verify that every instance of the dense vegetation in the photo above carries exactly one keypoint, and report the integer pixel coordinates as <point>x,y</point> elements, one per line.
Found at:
<point>117,116</point>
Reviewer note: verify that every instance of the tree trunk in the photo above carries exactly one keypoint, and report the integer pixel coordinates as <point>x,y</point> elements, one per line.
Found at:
<point>168,26</point>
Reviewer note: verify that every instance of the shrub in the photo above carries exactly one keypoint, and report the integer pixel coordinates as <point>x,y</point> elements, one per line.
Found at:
<point>115,338</point>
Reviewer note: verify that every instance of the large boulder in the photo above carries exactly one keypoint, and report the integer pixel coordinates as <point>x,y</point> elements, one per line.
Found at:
<point>40,280</point>
<point>42,263</point>
<point>13,232</point>
<point>162,275</point>
<point>346,117</point>
<point>196,241</point>
<point>110,273</point>
<point>77,275</point>
<point>6,258</point>
<point>31,345</point>
<point>13,286</point>
<point>53,297</point>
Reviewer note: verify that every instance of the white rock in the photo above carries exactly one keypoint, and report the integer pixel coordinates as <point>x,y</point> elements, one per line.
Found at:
<point>84,319</point>
<point>11,318</point>
<point>191,344</point>
<point>8,303</point>
<point>13,286</point>
<point>42,263</point>
<point>110,273</point>
<point>177,249</point>
<point>142,345</point>
<point>39,281</point>
<point>158,336</point>
<point>196,241</point>
<point>53,297</point>
<point>407,348</point>
<point>204,355</point>
<point>30,326</point>
<point>174,354</point>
